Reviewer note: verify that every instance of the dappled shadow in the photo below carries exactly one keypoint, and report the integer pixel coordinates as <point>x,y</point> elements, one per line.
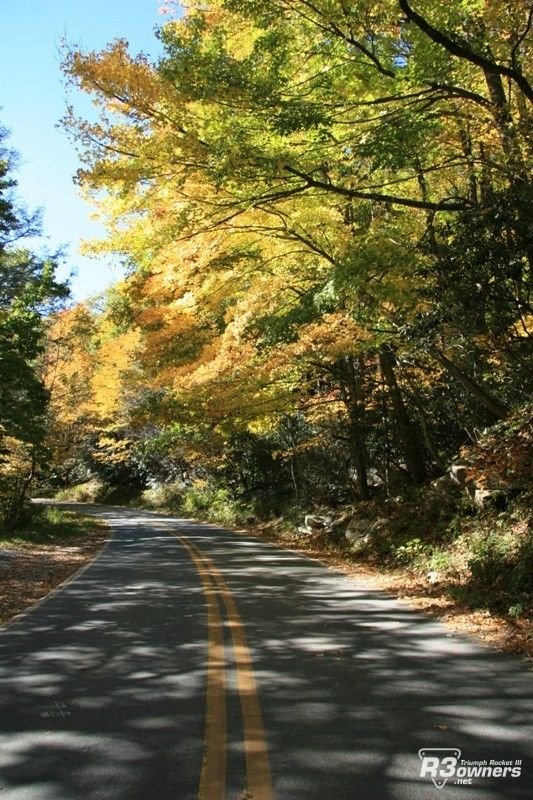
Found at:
<point>354,683</point>
<point>103,688</point>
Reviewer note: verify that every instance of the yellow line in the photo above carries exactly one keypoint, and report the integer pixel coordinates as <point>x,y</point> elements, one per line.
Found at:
<point>213,776</point>
<point>258,775</point>
<point>259,780</point>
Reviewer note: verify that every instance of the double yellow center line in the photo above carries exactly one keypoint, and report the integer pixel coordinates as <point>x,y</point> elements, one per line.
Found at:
<point>213,777</point>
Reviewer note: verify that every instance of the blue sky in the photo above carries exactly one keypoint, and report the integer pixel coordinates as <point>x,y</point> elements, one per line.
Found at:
<point>32,101</point>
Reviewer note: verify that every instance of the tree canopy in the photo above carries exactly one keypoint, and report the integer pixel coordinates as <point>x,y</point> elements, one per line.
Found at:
<point>28,293</point>
<point>325,211</point>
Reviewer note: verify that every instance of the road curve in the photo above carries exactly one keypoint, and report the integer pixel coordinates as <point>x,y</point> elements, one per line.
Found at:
<point>191,663</point>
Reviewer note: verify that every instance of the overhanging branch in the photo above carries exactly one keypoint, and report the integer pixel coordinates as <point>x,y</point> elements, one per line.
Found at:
<point>461,50</point>
<point>427,205</point>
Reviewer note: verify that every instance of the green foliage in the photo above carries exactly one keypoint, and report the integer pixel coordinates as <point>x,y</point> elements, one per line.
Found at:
<point>333,163</point>
<point>413,553</point>
<point>206,501</point>
<point>490,555</point>
<point>326,212</point>
<point>440,560</point>
<point>501,568</point>
<point>91,491</point>
<point>47,525</point>
<point>166,496</point>
<point>28,292</point>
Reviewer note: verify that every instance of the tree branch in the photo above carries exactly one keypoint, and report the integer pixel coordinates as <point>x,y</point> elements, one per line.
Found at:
<point>444,205</point>
<point>332,27</point>
<point>461,50</point>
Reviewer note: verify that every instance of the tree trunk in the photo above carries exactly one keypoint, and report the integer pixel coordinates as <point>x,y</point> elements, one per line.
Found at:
<point>359,457</point>
<point>504,123</point>
<point>495,407</point>
<point>351,372</point>
<point>411,446</point>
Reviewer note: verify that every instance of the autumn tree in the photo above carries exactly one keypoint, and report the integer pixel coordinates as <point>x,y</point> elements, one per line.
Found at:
<point>325,208</point>
<point>28,293</point>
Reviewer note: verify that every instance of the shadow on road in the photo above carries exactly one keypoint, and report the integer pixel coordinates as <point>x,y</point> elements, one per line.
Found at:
<point>103,686</point>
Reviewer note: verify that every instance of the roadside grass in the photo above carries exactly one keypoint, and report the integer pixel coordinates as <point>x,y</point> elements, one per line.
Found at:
<point>91,491</point>
<point>50,545</point>
<point>49,526</point>
<point>480,560</point>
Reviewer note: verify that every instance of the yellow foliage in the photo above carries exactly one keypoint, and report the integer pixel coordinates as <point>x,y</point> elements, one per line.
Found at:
<point>15,459</point>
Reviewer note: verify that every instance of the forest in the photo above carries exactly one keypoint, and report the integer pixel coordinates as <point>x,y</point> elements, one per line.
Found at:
<point>324,210</point>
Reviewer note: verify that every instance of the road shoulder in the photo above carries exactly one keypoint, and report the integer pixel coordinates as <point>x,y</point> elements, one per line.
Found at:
<point>486,628</point>
<point>31,569</point>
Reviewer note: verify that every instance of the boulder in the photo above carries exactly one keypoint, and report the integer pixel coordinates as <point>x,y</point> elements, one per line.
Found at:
<point>374,478</point>
<point>491,498</point>
<point>357,539</point>
<point>458,474</point>
<point>355,535</point>
<point>440,482</point>
<point>316,523</point>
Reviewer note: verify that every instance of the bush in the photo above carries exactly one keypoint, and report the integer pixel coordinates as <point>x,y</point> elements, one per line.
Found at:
<point>197,498</point>
<point>46,524</point>
<point>412,553</point>
<point>167,496</point>
<point>92,491</point>
<point>202,500</point>
<point>490,556</point>
<point>501,573</point>
<point>205,500</point>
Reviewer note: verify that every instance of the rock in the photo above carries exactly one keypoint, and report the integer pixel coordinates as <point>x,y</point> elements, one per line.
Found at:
<point>494,498</point>
<point>374,478</point>
<point>433,577</point>
<point>354,536</point>
<point>458,474</point>
<point>342,520</point>
<point>444,484</point>
<point>359,526</point>
<point>440,482</point>
<point>273,523</point>
<point>358,540</point>
<point>481,496</point>
<point>317,523</point>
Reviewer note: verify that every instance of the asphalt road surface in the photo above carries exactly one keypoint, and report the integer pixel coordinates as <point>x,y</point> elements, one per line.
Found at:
<point>187,662</point>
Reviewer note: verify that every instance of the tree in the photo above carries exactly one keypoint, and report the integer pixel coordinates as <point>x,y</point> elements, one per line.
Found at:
<point>28,292</point>
<point>293,186</point>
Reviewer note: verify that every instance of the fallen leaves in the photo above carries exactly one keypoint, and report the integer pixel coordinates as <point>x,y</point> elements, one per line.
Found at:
<point>29,573</point>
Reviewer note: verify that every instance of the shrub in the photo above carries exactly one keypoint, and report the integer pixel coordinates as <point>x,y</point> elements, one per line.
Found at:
<point>164,496</point>
<point>208,501</point>
<point>92,491</point>
<point>501,570</point>
<point>411,553</point>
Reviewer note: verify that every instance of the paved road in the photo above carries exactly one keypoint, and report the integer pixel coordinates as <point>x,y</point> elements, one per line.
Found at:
<point>188,662</point>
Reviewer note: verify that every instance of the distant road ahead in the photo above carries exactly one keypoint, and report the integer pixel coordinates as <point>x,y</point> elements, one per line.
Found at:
<point>192,663</point>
